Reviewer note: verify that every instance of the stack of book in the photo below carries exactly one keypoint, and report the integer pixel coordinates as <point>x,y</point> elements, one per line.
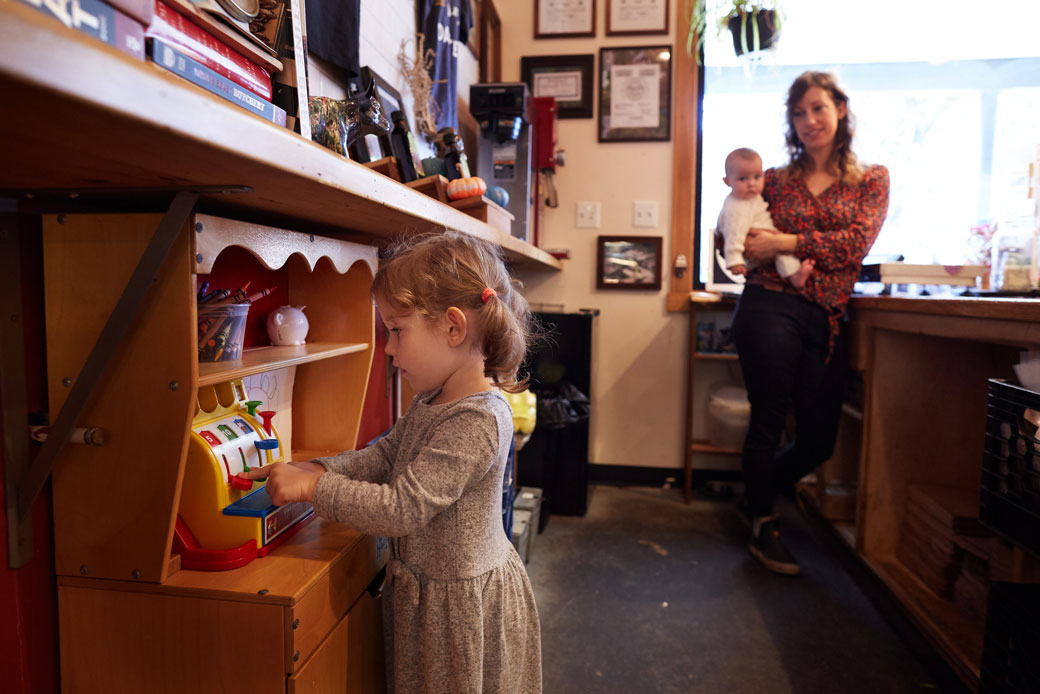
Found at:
<point>119,23</point>
<point>224,61</point>
<point>938,523</point>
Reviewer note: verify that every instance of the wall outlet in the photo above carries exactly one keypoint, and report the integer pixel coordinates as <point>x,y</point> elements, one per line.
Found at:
<point>644,213</point>
<point>588,215</point>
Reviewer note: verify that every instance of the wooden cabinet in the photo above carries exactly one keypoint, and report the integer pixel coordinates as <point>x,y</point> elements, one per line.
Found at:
<point>926,364</point>
<point>94,133</point>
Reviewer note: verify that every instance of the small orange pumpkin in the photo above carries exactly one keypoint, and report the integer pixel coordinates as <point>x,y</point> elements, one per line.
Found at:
<point>466,188</point>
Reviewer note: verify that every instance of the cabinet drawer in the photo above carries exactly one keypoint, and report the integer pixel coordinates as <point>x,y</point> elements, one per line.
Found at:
<point>324,605</point>
<point>350,659</point>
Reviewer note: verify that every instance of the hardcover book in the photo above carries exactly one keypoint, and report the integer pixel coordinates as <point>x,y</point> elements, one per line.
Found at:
<point>98,19</point>
<point>141,10</point>
<point>176,62</point>
<point>195,42</point>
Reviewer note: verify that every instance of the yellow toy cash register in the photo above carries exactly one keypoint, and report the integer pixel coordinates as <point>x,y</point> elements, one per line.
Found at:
<point>222,521</point>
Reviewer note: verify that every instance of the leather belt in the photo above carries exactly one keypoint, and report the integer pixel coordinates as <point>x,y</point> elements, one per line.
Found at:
<point>774,286</point>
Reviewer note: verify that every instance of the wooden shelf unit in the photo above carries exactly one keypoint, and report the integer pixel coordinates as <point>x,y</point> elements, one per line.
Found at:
<point>701,302</point>
<point>92,130</point>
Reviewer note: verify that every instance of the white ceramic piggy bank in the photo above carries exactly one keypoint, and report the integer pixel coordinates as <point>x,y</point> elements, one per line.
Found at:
<point>287,326</point>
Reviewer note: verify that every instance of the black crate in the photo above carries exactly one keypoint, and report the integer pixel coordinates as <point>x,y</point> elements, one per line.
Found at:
<point>1010,491</point>
<point>1011,648</point>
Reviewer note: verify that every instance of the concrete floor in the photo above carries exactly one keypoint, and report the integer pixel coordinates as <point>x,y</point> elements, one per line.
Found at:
<point>648,594</point>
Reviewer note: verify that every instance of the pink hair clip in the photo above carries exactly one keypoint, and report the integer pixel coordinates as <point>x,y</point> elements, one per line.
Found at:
<point>487,294</point>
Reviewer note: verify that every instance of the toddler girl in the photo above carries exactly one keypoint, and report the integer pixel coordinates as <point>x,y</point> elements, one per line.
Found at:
<point>458,608</point>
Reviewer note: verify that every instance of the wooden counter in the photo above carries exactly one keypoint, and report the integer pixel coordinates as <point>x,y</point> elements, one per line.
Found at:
<point>926,361</point>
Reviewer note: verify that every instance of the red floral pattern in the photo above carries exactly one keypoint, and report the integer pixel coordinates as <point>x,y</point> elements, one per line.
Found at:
<point>835,228</point>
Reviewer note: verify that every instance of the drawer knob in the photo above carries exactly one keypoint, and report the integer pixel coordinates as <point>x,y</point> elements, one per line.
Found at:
<point>296,623</point>
<point>296,656</point>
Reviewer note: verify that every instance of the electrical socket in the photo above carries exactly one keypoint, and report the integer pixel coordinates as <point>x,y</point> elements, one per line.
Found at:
<point>588,214</point>
<point>644,213</point>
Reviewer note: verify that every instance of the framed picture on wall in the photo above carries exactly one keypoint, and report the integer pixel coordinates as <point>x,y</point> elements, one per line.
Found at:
<point>628,262</point>
<point>635,94</point>
<point>557,19</point>
<point>637,17</point>
<point>567,77</point>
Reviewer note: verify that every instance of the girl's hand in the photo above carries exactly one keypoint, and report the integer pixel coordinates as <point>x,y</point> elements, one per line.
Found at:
<point>287,483</point>
<point>762,245</point>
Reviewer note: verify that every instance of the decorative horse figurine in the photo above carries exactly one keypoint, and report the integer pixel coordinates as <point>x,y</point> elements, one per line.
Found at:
<point>338,123</point>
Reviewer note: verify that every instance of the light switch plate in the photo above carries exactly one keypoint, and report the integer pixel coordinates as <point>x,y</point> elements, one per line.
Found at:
<point>644,213</point>
<point>588,215</point>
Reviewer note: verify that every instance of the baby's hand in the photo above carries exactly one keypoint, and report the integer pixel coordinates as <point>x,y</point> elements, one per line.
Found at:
<point>738,269</point>
<point>287,483</point>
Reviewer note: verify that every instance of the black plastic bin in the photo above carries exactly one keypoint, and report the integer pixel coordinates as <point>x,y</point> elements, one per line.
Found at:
<point>1009,501</point>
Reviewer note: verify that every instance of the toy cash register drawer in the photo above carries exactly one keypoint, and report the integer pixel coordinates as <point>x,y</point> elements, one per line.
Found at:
<point>224,520</point>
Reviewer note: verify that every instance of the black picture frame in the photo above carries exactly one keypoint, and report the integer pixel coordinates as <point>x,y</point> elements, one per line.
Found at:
<point>639,18</point>
<point>629,262</point>
<point>572,16</point>
<point>646,72</point>
<point>575,75</point>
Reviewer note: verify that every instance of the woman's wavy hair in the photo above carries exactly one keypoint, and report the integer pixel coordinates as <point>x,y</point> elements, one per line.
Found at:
<point>430,273</point>
<point>843,162</point>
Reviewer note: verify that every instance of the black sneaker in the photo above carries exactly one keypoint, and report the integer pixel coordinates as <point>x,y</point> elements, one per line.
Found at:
<point>769,549</point>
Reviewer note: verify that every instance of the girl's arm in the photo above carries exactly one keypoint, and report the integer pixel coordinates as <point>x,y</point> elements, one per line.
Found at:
<point>370,464</point>
<point>460,452</point>
<point>840,248</point>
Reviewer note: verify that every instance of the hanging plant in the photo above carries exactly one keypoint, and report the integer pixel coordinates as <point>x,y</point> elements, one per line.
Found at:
<point>755,24</point>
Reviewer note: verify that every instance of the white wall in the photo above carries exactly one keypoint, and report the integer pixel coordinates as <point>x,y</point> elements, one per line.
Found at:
<point>639,350</point>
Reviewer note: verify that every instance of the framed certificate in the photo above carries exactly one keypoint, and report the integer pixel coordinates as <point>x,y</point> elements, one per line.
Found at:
<point>637,17</point>
<point>568,78</point>
<point>555,19</point>
<point>635,94</point>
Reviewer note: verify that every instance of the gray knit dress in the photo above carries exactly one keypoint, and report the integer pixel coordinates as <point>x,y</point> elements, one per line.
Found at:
<point>457,607</point>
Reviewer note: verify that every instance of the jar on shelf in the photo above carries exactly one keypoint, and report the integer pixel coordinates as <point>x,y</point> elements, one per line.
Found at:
<point>1014,257</point>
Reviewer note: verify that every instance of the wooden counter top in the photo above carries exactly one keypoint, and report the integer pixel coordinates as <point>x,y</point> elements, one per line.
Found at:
<point>1006,321</point>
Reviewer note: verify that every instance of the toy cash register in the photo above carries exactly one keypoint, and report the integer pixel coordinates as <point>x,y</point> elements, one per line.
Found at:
<point>222,521</point>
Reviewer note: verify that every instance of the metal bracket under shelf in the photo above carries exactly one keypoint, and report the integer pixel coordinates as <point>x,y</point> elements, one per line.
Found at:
<point>25,478</point>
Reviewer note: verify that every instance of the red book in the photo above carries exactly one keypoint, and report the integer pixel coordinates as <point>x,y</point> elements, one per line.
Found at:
<point>199,45</point>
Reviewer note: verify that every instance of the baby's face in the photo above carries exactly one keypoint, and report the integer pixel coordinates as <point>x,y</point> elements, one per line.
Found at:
<point>744,176</point>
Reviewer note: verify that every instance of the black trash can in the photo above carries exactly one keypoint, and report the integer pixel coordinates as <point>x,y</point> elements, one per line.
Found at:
<point>556,457</point>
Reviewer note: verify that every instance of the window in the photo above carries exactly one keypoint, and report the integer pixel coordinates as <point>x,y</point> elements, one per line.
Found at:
<point>948,98</point>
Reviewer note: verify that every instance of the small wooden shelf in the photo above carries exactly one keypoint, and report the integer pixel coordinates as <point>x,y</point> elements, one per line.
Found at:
<point>702,446</point>
<point>263,359</point>
<point>715,356</point>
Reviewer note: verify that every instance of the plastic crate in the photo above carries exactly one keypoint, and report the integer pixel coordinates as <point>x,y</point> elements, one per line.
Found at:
<point>1009,499</point>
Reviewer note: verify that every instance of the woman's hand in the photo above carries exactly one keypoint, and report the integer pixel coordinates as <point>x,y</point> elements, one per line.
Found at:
<point>288,482</point>
<point>762,245</point>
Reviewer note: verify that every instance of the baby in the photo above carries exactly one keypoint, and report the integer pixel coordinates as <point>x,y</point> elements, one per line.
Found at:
<point>744,209</point>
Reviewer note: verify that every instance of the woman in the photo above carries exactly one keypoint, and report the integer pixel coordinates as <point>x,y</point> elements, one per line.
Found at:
<point>828,208</point>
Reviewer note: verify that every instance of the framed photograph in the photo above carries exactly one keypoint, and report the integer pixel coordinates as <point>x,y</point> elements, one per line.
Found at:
<point>391,101</point>
<point>720,279</point>
<point>628,262</point>
<point>637,17</point>
<point>557,19</point>
<point>635,94</point>
<point>567,77</point>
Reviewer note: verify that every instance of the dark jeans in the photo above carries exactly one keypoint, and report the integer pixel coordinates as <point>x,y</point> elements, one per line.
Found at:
<point>782,343</point>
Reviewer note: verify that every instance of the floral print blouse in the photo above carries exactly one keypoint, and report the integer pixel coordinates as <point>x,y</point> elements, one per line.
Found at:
<point>835,228</point>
